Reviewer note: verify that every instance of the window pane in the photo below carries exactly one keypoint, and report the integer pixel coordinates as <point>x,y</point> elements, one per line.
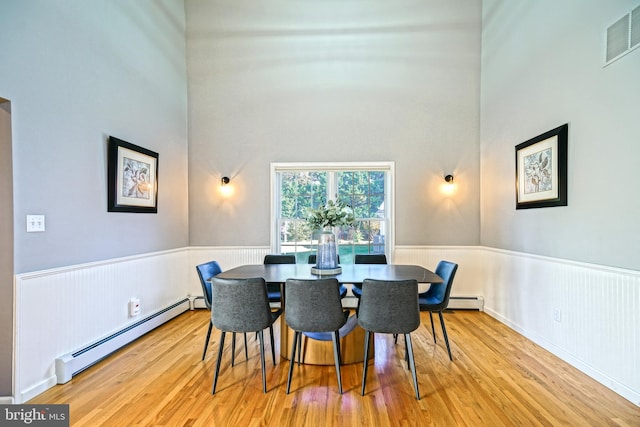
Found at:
<point>376,207</point>
<point>369,236</point>
<point>363,190</point>
<point>295,238</point>
<point>301,191</point>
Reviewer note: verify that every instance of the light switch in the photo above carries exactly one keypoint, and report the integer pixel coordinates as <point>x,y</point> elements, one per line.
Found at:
<point>35,223</point>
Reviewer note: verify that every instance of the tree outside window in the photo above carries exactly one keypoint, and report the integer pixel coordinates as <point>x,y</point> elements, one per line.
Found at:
<point>363,190</point>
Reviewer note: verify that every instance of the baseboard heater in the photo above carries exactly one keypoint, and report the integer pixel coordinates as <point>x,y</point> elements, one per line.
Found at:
<point>466,303</point>
<point>73,363</point>
<point>198,302</point>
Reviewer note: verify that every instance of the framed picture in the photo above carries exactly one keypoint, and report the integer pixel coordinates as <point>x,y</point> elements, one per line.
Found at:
<point>132,178</point>
<point>541,170</point>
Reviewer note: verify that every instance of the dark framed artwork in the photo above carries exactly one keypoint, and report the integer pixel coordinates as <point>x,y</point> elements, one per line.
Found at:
<point>541,170</point>
<point>132,178</point>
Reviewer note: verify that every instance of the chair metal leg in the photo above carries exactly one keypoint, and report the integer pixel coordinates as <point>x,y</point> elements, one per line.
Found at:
<point>206,342</point>
<point>273,348</point>
<point>433,330</point>
<point>336,355</point>
<point>446,338</point>
<point>406,353</point>
<point>339,349</point>
<point>296,337</point>
<point>264,374</point>
<point>302,337</point>
<point>233,349</point>
<point>246,352</point>
<point>217,371</point>
<point>367,336</point>
<point>412,362</point>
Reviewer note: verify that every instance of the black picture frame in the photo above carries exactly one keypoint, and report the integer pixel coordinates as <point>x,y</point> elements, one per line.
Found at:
<point>132,176</point>
<point>541,170</point>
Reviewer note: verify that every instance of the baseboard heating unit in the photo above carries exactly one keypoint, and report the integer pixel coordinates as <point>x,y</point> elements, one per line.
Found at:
<point>73,363</point>
<point>466,303</point>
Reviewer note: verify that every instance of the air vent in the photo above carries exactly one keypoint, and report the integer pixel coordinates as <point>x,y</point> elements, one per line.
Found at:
<point>618,38</point>
<point>623,36</point>
<point>635,27</point>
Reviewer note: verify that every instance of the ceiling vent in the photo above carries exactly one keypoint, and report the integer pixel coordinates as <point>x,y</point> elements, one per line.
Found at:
<point>623,36</point>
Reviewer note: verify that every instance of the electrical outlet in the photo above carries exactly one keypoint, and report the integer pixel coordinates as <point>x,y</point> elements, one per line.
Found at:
<point>557,315</point>
<point>35,223</point>
<point>134,307</point>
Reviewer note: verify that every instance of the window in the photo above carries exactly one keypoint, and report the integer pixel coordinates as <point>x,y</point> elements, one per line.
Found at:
<point>366,187</point>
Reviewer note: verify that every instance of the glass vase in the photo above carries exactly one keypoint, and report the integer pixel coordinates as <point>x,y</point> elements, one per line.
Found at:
<point>327,254</point>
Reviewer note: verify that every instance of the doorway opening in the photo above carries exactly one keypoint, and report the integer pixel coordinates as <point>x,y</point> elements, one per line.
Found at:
<point>6,249</point>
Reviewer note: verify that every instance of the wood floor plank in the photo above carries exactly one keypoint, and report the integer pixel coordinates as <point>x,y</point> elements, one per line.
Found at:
<point>497,378</point>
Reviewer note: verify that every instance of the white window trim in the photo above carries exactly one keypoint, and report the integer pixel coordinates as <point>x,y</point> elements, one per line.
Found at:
<point>390,196</point>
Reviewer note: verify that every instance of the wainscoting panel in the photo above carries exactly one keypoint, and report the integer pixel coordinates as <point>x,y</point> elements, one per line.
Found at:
<point>588,315</point>
<point>60,310</point>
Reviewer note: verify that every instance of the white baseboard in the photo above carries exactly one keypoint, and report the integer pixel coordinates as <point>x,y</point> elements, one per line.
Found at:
<point>36,389</point>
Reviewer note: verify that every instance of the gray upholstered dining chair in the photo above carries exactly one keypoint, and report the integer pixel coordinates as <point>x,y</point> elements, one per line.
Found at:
<point>205,272</point>
<point>314,306</point>
<point>436,298</point>
<point>389,307</point>
<point>273,289</point>
<point>242,305</point>
<point>343,289</point>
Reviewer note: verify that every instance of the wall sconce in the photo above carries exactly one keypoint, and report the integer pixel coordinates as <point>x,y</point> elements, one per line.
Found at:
<point>449,186</point>
<point>226,189</point>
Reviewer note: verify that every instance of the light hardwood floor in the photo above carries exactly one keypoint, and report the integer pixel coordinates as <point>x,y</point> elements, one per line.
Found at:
<point>497,378</point>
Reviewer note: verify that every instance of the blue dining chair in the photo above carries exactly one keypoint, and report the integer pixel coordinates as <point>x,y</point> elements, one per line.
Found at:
<point>273,289</point>
<point>436,298</point>
<point>366,259</point>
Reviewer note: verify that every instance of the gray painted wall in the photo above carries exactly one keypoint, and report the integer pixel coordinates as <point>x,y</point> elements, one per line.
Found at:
<point>77,72</point>
<point>333,81</point>
<point>6,250</point>
<point>542,66</point>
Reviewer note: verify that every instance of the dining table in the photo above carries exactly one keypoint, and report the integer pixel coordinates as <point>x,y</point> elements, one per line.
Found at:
<point>318,350</point>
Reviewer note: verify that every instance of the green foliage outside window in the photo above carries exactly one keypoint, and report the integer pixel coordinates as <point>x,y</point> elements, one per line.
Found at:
<point>303,191</point>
